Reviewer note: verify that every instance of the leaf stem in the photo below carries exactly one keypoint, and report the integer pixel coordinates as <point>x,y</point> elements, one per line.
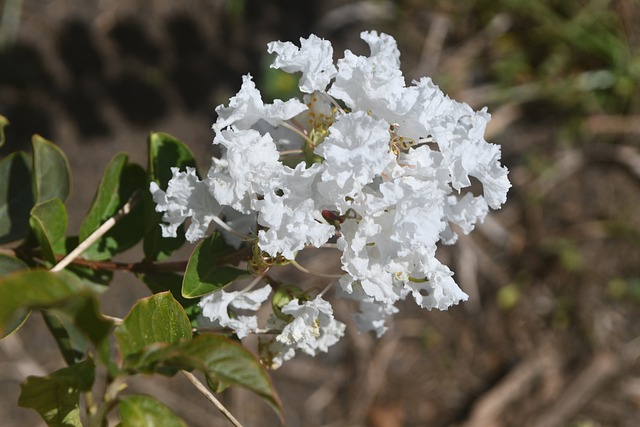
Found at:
<point>205,391</point>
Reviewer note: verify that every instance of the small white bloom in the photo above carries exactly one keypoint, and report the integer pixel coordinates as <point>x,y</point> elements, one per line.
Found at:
<point>250,166</point>
<point>356,151</point>
<point>292,214</point>
<point>186,197</point>
<point>246,109</point>
<point>314,59</point>
<point>313,327</point>
<point>373,83</point>
<point>216,307</point>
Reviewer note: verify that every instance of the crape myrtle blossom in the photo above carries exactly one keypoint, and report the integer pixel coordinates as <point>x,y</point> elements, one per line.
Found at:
<point>387,172</point>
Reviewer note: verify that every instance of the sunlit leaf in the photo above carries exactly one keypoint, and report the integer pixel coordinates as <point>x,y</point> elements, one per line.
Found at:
<point>203,274</point>
<point>146,411</point>
<point>52,176</point>
<point>156,319</point>
<point>16,196</point>
<point>3,123</point>
<point>56,396</point>
<point>223,361</point>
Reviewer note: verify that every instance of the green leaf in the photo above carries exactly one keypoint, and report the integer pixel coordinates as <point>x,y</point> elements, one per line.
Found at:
<point>146,411</point>
<point>52,176</point>
<point>56,397</point>
<point>16,196</point>
<point>41,289</point>
<point>9,264</point>
<point>49,224</point>
<point>3,123</point>
<point>203,275</point>
<point>164,152</point>
<point>172,282</point>
<point>156,319</point>
<point>119,181</point>
<point>72,343</point>
<point>223,361</point>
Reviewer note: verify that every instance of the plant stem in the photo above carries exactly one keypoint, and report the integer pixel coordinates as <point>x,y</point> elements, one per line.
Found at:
<point>205,391</point>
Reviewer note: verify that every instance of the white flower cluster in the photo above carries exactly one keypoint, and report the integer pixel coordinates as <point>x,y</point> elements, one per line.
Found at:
<point>387,170</point>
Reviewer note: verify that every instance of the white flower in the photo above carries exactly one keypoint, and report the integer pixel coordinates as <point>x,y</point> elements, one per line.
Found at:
<point>355,152</point>
<point>186,197</point>
<point>389,176</point>
<point>311,330</point>
<point>216,307</point>
<point>246,109</point>
<point>373,83</point>
<point>250,166</point>
<point>292,214</point>
<point>314,58</point>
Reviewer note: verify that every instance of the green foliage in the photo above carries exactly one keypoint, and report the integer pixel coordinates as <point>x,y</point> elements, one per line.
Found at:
<point>9,264</point>
<point>51,174</point>
<point>223,361</point>
<point>119,182</point>
<point>156,319</point>
<point>156,335</point>
<point>145,411</point>
<point>48,223</point>
<point>16,196</point>
<point>203,274</point>
<point>56,396</point>
<point>3,123</point>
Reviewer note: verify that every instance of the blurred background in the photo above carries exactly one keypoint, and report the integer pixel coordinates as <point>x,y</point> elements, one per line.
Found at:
<point>550,334</point>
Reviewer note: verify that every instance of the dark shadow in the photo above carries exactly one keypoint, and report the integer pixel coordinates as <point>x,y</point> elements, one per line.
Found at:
<point>22,68</point>
<point>82,108</point>
<point>139,102</point>
<point>78,50</point>
<point>26,120</point>
<point>133,42</point>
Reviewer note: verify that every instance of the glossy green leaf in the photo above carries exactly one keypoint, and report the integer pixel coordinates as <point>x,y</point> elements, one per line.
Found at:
<point>164,152</point>
<point>156,319</point>
<point>16,196</point>
<point>9,264</point>
<point>223,361</point>
<point>52,176</point>
<point>119,181</point>
<point>48,223</point>
<point>203,275</point>
<point>56,397</point>
<point>146,411</point>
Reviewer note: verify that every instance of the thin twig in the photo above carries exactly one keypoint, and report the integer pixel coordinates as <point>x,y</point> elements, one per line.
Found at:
<point>93,237</point>
<point>205,391</point>
<point>314,273</point>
